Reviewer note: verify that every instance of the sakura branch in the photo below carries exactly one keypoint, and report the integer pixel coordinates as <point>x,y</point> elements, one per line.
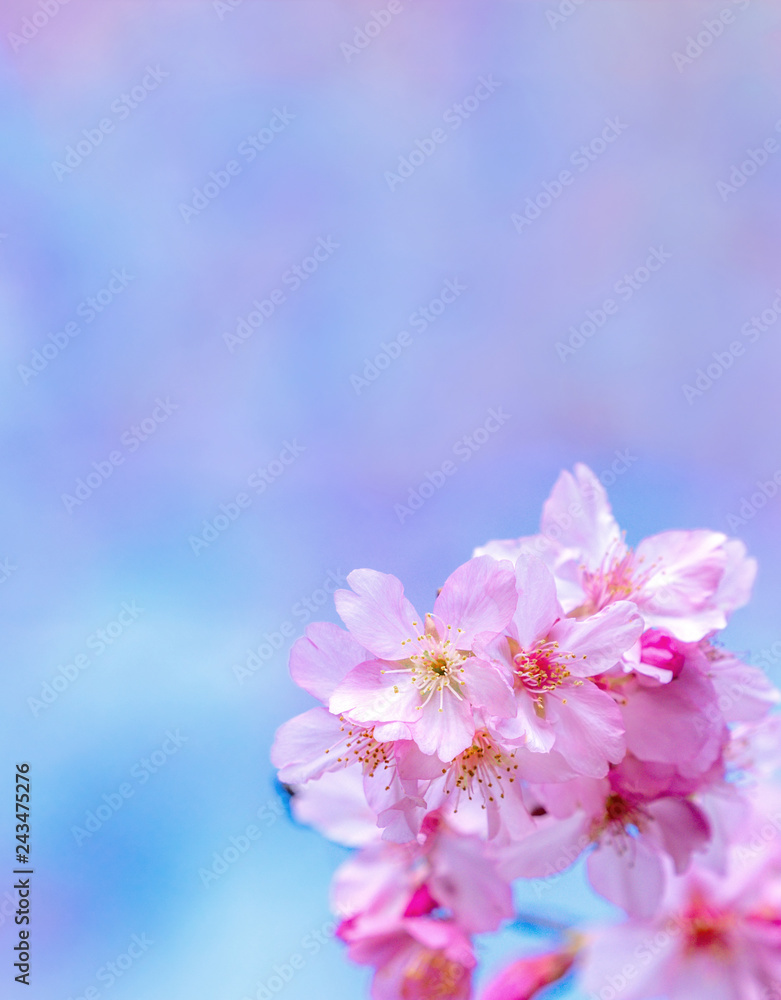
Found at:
<point>566,700</point>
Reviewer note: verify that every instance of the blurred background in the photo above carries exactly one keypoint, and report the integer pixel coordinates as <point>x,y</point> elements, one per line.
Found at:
<point>266,267</point>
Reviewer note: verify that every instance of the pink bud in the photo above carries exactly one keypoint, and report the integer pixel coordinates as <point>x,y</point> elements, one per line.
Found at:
<point>660,650</point>
<point>422,902</point>
<point>521,980</point>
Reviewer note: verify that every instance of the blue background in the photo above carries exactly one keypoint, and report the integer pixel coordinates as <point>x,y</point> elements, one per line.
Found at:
<point>324,176</point>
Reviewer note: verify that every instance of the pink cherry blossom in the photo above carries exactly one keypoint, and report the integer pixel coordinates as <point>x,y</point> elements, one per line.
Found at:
<point>443,868</point>
<point>316,742</point>
<point>426,675</point>
<point>683,582</point>
<point>420,959</point>
<point>633,831</point>
<point>409,910</point>
<point>551,660</point>
<point>715,936</point>
<point>567,697</point>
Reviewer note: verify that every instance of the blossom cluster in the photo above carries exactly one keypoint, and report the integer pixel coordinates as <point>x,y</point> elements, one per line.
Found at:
<point>566,696</point>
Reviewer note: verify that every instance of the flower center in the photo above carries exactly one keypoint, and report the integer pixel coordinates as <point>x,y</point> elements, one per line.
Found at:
<point>618,815</point>
<point>707,929</point>
<point>432,974</point>
<point>480,770</point>
<point>436,667</point>
<point>542,670</point>
<point>618,577</point>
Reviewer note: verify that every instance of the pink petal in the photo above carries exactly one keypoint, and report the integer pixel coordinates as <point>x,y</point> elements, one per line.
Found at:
<point>538,606</point>
<point>523,979</point>
<point>600,641</point>
<point>443,935</point>
<point>300,745</point>
<point>401,823</point>
<point>630,874</point>
<point>323,658</point>
<point>611,949</point>
<point>716,980</point>
<point>548,851</point>
<point>527,726</point>
<point>385,790</point>
<point>487,688</point>
<point>370,693</point>
<point>686,570</point>
<point>578,516</point>
<point>589,728</point>
<point>683,828</point>
<point>377,613</point>
<point>335,805</point>
<point>540,768</point>
<point>465,881</point>
<point>562,799</point>
<point>445,729</point>
<point>413,763</point>
<point>739,575</point>
<point>478,597</point>
<point>677,723</point>
<point>371,879</point>
<point>501,548</point>
<point>745,694</point>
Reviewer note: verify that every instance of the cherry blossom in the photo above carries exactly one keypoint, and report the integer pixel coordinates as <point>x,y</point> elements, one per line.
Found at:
<point>568,697</point>
<point>684,582</point>
<point>426,674</point>
<point>715,936</point>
